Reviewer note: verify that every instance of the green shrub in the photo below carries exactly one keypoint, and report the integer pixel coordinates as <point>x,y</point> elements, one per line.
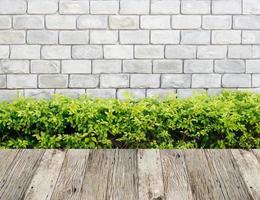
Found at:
<point>230,120</point>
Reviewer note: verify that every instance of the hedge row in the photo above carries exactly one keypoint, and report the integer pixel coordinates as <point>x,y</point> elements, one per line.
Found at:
<point>230,120</point>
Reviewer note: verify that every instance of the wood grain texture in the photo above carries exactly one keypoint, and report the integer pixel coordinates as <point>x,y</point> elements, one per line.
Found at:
<point>176,181</point>
<point>6,159</point>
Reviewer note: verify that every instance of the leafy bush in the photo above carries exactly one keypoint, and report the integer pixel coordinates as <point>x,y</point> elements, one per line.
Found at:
<point>230,120</point>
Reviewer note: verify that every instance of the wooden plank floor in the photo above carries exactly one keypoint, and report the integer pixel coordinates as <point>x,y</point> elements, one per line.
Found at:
<point>129,174</point>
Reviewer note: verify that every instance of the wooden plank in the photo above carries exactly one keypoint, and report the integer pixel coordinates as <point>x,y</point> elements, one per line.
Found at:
<point>69,184</point>
<point>203,183</point>
<point>249,169</point>
<point>18,177</point>
<point>6,159</point>
<point>150,175</point>
<point>223,166</point>
<point>122,179</point>
<point>257,154</point>
<point>99,165</point>
<point>176,181</point>
<point>44,180</point>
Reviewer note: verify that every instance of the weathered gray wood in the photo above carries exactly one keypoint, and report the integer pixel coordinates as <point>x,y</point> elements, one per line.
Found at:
<point>176,181</point>
<point>249,169</point>
<point>6,159</point>
<point>150,175</point>
<point>257,154</point>
<point>69,184</point>
<point>16,181</point>
<point>224,167</point>
<point>45,177</point>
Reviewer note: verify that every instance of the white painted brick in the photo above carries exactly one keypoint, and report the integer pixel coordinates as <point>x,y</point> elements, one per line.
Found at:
<point>130,93</point>
<point>72,93</point>
<point>165,37</point>
<point>256,80</point>
<point>124,22</point>
<point>92,22</point>
<point>145,81</point>
<point>230,66</point>
<point>240,51</point>
<point>195,37</point>
<point>155,22</point>
<point>60,22</point>
<point>87,51</point>
<point>8,95</point>
<point>74,37</point>
<point>42,37</point>
<point>12,7</point>
<point>74,7</point>
<point>39,93</point>
<point>134,37</point>
<point>162,93</point>
<point>250,37</point>
<point>42,7</point>
<point>4,52</point>
<point>179,51</point>
<point>2,81</point>
<point>236,80</point>
<point>226,7</point>
<point>149,51</point>
<point>256,51</point>
<point>25,52</point>
<point>226,37</point>
<point>21,81</point>
<point>103,37</point>
<point>84,81</point>
<point>217,22</point>
<point>12,37</point>
<point>246,22</point>
<point>45,66</point>
<point>212,51</point>
<point>114,80</point>
<point>76,66</point>
<point>251,7</point>
<point>28,22</point>
<point>214,91</point>
<point>185,93</point>
<point>186,21</point>
<point>176,81</point>
<point>165,7</point>
<point>253,66</point>
<point>104,7</point>
<point>134,7</point>
<point>56,52</point>
<point>118,51</point>
<point>206,81</point>
<point>167,66</point>
<point>198,66</point>
<point>101,93</point>
<point>195,7</point>
<point>5,22</point>
<point>106,66</point>
<point>53,81</point>
<point>137,66</point>
<point>14,66</point>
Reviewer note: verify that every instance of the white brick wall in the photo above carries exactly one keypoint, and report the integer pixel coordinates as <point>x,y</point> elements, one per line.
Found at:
<point>107,48</point>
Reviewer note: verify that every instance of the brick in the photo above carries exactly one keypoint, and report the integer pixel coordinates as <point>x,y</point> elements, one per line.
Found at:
<point>167,66</point>
<point>114,81</point>
<point>25,52</point>
<point>195,7</point>
<point>76,66</point>
<point>149,51</point>
<point>92,22</point>
<point>74,7</point>
<point>42,7</point>
<point>104,7</point>
<point>255,80</point>
<point>185,93</point>
<point>39,93</point>
<point>145,81</point>
<point>2,81</point>
<point>8,95</point>
<point>103,37</point>
<point>72,93</point>
<point>12,37</point>
<point>250,37</point>
<point>226,7</point>
<point>179,51</point>
<point>60,22</point>
<point>239,51</point>
<point>212,52</point>
<point>134,7</point>
<point>251,7</point>
<point>101,93</point>
<point>236,80</point>
<point>165,37</point>
<point>106,66</point>
<point>134,37</point>
<point>45,66</point>
<point>226,37</point>
<point>5,22</point>
<point>165,7</point>
<point>186,22</point>
<point>246,22</point>
<point>176,81</point>
<point>28,22</point>
<point>206,81</point>
<point>230,66</point>
<point>155,22</point>
<point>53,81</point>
<point>195,37</point>
<point>21,81</point>
<point>56,52</point>
<point>162,93</point>
<point>198,66</point>
<point>12,7</point>
<point>130,93</point>
<point>84,81</point>
<point>4,52</point>
<point>255,51</point>
<point>217,22</point>
<point>124,22</point>
<point>74,37</point>
<point>14,66</point>
<point>42,37</point>
<point>87,51</point>
<point>137,66</point>
<point>253,66</point>
<point>214,91</point>
<point>118,51</point>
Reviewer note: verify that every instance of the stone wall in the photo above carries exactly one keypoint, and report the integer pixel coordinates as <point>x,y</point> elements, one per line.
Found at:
<point>147,47</point>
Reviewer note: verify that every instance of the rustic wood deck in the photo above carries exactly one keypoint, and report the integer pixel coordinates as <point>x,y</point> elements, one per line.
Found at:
<point>129,174</point>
